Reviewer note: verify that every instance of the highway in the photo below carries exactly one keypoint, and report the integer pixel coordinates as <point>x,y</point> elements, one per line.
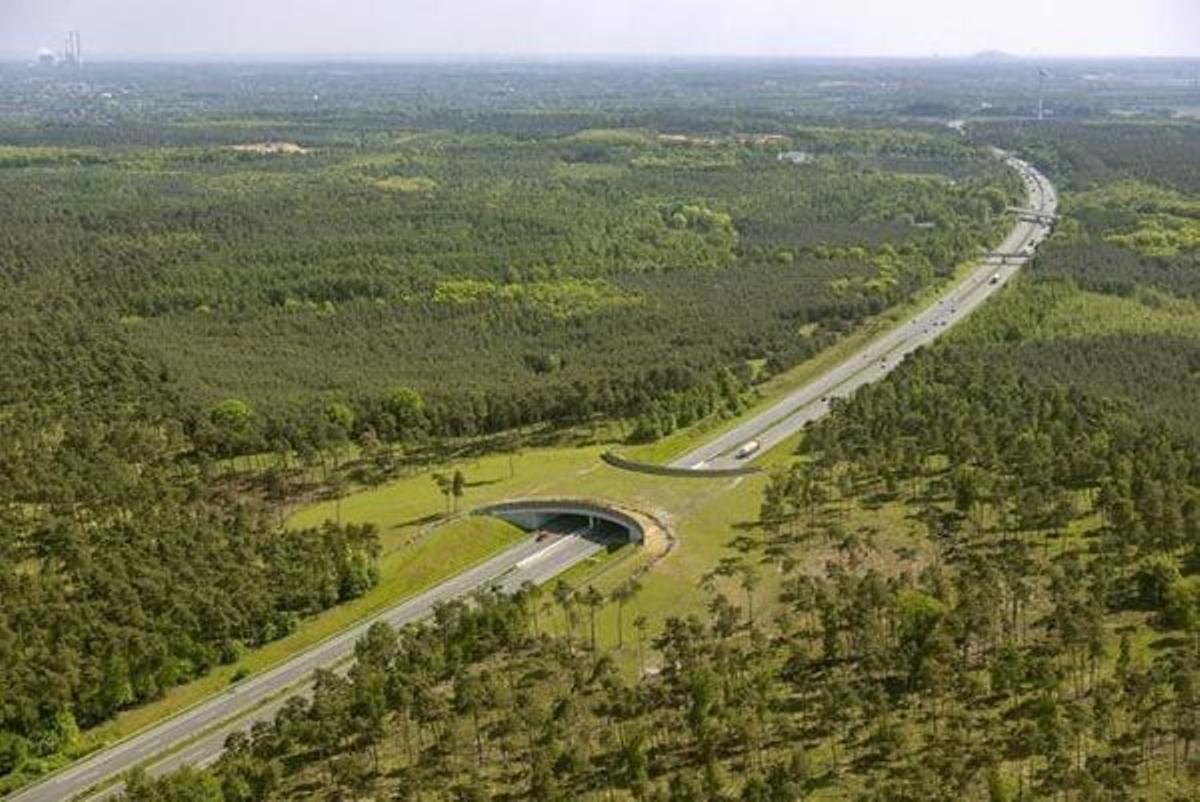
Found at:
<point>196,736</point>
<point>201,730</point>
<point>874,361</point>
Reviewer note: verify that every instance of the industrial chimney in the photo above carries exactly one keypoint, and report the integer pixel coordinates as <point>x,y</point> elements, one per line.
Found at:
<point>73,54</point>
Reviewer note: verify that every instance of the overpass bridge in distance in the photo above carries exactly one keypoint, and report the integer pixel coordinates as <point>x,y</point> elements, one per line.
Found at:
<point>1007,258</point>
<point>1034,216</point>
<point>532,514</point>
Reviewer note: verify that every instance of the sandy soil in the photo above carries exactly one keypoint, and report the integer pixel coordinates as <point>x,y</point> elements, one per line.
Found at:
<point>272,148</point>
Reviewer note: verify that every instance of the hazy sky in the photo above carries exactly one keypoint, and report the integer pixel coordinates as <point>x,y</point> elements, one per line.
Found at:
<point>383,28</point>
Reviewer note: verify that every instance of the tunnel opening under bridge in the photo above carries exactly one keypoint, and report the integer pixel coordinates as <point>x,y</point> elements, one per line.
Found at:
<point>606,525</point>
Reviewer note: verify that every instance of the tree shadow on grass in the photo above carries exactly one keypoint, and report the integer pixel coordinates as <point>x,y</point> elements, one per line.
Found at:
<point>424,519</point>
<point>483,482</point>
<point>1173,641</point>
<point>742,543</point>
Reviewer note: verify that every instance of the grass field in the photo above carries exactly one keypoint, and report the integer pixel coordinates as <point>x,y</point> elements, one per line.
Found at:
<point>704,514</point>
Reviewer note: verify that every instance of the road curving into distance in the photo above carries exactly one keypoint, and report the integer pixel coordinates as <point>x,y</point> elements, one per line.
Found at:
<point>745,442</point>
<point>197,735</point>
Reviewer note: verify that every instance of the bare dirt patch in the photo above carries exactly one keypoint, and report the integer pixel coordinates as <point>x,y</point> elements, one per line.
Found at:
<point>272,149</point>
<point>401,183</point>
<point>656,538</point>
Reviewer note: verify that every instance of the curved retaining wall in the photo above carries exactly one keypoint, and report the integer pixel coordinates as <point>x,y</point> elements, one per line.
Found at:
<point>624,464</point>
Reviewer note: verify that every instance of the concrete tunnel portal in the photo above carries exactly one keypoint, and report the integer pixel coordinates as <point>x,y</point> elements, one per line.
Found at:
<point>600,522</point>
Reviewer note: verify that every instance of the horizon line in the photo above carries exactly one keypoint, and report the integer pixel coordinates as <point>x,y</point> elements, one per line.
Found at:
<point>161,57</point>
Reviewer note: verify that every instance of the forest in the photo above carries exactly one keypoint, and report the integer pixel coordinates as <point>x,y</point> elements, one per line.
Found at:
<point>1049,648</point>
<point>499,278</point>
<point>182,284</point>
<point>124,571</point>
<point>1050,652</point>
<point>1106,304</point>
<point>291,266</point>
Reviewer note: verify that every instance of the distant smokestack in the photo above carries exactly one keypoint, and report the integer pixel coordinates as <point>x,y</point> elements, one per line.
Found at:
<point>1042,76</point>
<point>73,53</point>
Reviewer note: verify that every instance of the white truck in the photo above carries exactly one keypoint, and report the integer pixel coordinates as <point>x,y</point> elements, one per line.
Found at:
<point>746,449</point>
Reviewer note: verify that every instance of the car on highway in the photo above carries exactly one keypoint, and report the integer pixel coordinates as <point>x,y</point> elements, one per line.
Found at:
<point>746,449</point>
<point>995,279</point>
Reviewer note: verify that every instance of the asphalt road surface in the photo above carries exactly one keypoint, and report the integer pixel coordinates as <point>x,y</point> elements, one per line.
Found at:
<point>875,360</point>
<point>204,728</point>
